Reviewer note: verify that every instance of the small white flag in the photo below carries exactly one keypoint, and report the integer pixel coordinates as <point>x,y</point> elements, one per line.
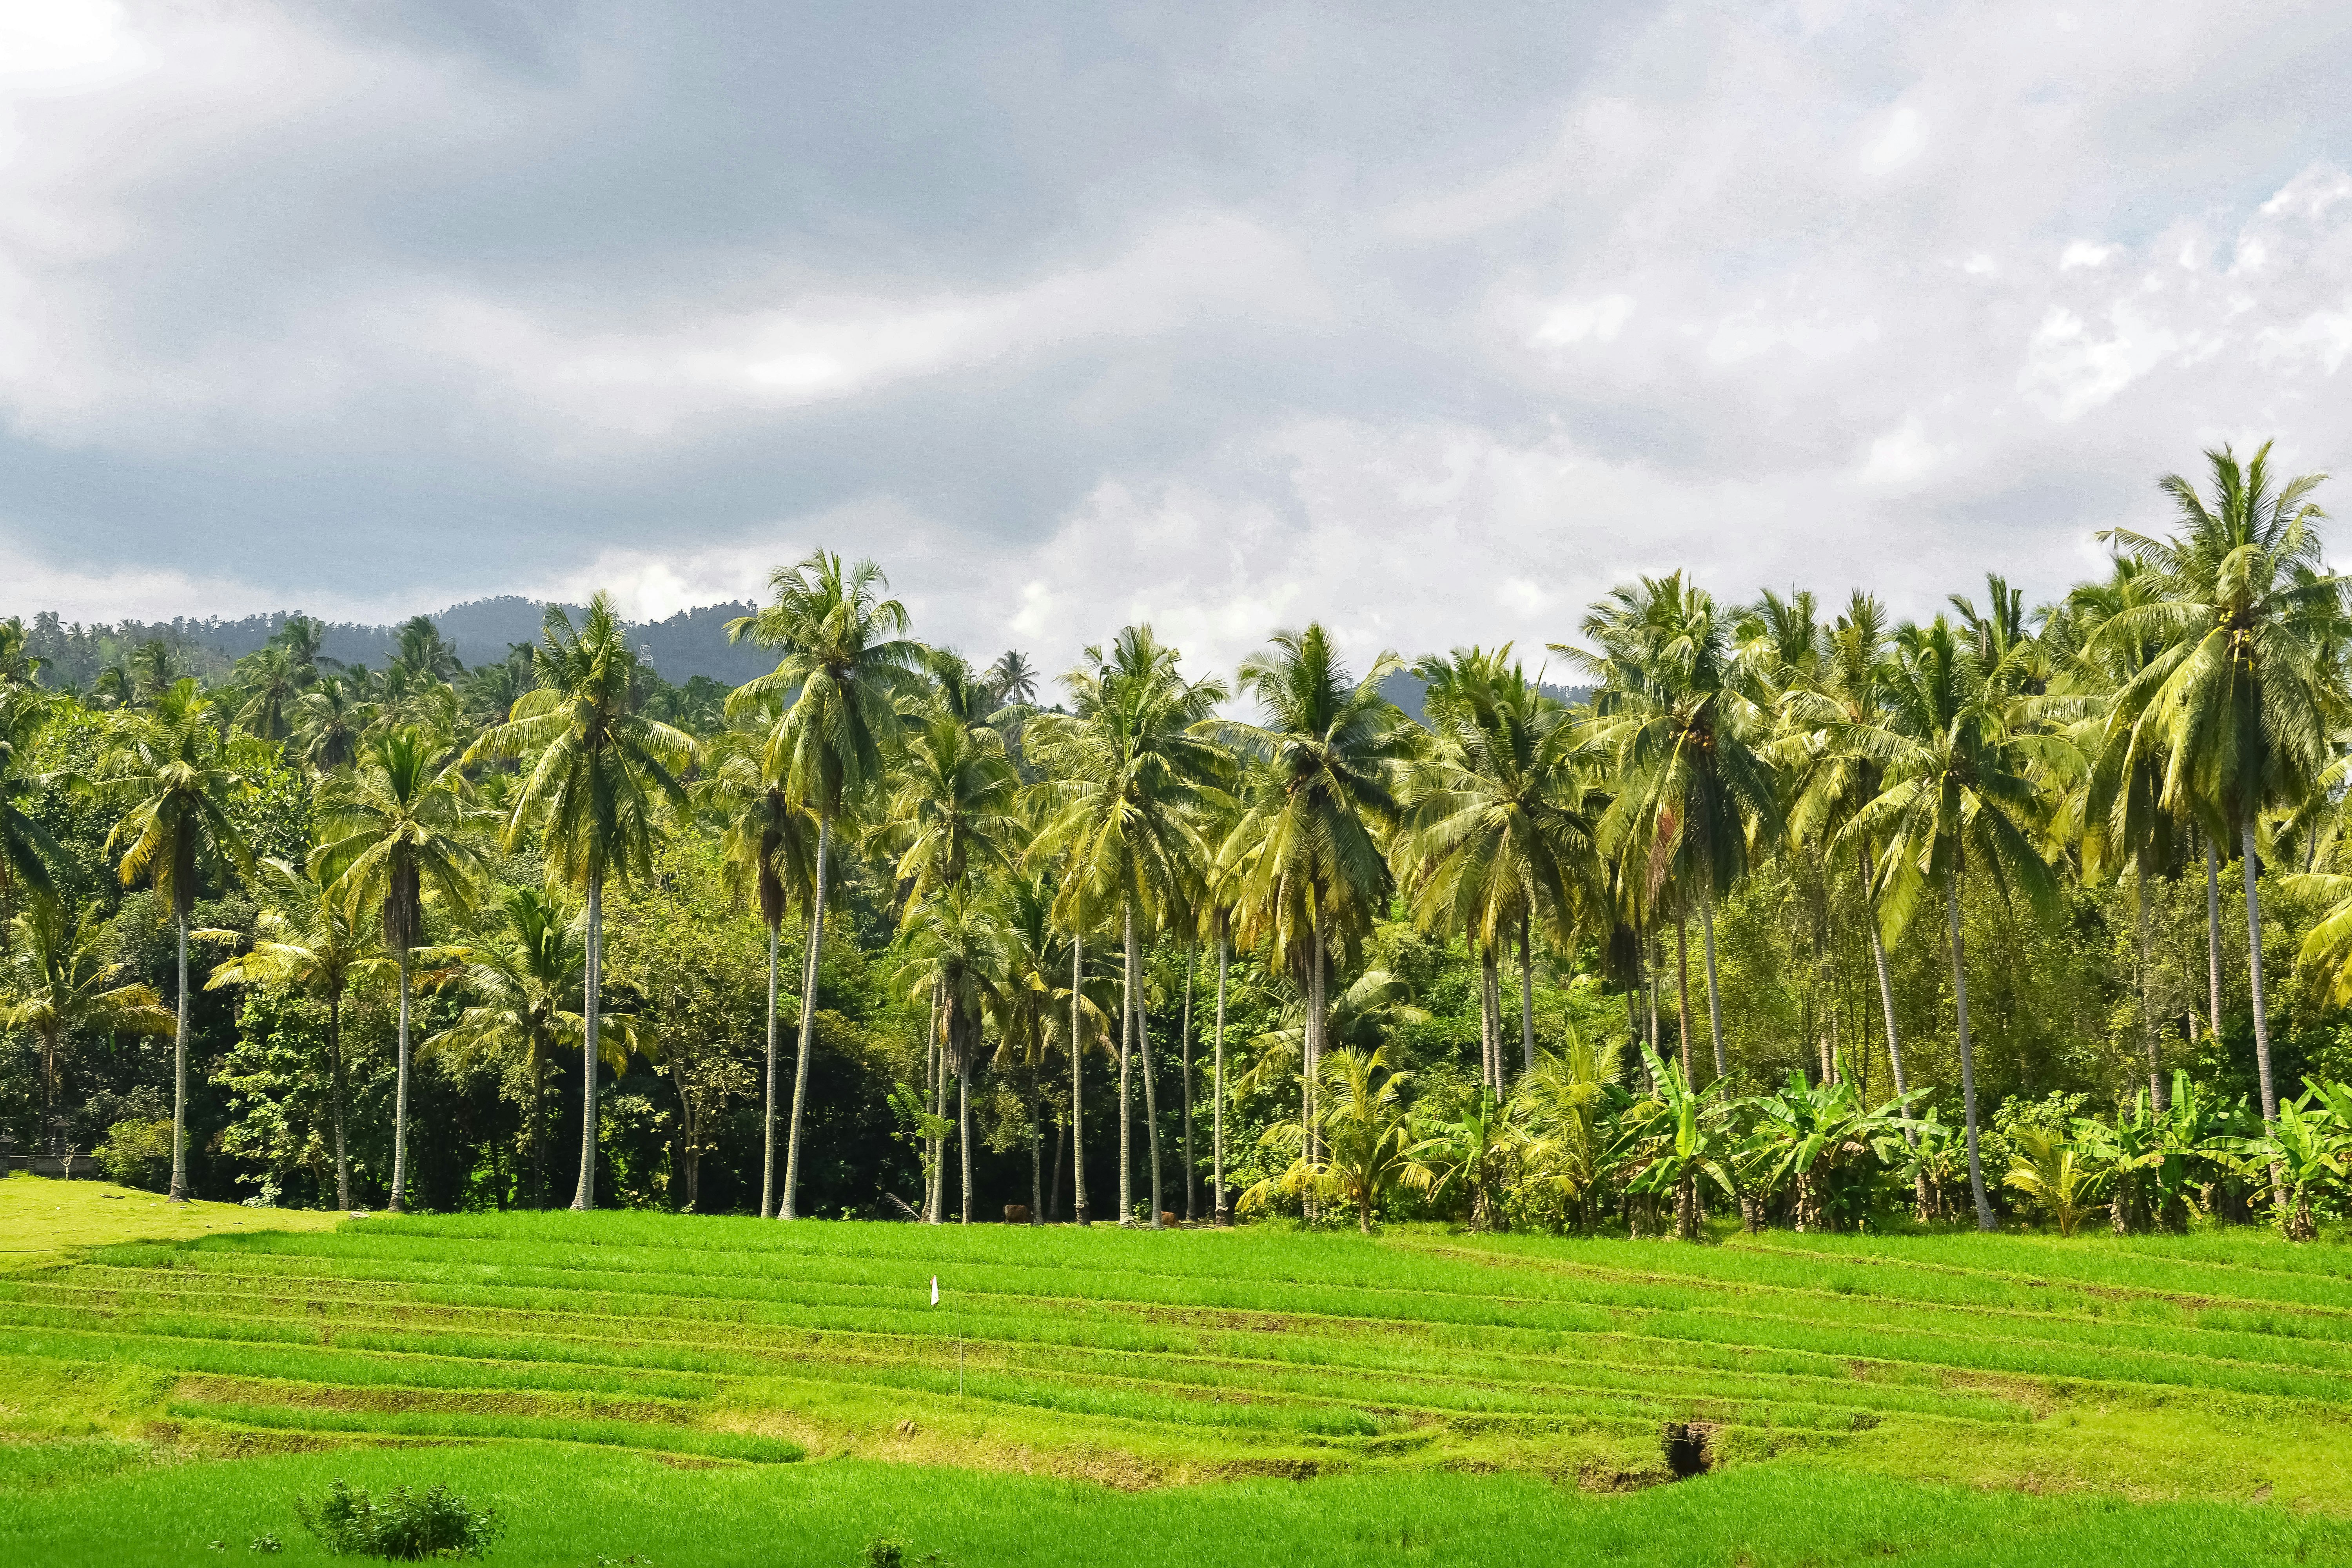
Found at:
<point>935,1290</point>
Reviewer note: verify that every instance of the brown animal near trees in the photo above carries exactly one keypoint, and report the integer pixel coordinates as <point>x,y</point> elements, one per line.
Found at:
<point>1016,1214</point>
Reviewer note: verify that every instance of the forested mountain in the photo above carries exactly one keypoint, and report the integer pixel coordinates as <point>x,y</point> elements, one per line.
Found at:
<point>687,643</point>
<point>1790,911</point>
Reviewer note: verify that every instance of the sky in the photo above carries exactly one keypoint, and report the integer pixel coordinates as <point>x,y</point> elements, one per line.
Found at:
<point>1431,324</point>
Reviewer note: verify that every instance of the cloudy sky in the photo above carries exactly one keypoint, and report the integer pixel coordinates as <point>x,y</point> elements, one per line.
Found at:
<point>1222,315</point>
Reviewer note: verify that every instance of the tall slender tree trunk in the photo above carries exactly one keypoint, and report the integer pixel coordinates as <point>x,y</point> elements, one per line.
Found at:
<point>1655,948</point>
<point>1036,1146</point>
<point>2146,1006</point>
<point>180,1076</point>
<point>2254,967</point>
<point>768,1110</point>
<point>1527,996</point>
<point>1885,985</point>
<point>1217,1108</point>
<point>2213,937</point>
<point>1151,1093</point>
<point>1490,1023</point>
<point>1315,1024</point>
<point>935,1197</point>
<point>963,1120</point>
<point>591,998</point>
<point>1968,1051</point>
<point>400,1099</point>
<point>1126,1101</point>
<point>1078,1082</point>
<point>1714,992</point>
<point>537,1128</point>
<point>1682,996</point>
<point>1184,1044</point>
<point>1054,1187</point>
<point>341,1081</point>
<point>790,1208</point>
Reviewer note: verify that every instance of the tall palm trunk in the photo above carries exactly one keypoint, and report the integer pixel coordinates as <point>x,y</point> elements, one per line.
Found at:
<point>1036,1146</point>
<point>2146,1006</point>
<point>1184,1046</point>
<point>1714,992</point>
<point>180,1077</point>
<point>1885,987</point>
<point>790,1208</point>
<point>1150,1092</point>
<point>1126,1100</point>
<point>1217,1110</point>
<point>2213,937</point>
<point>1968,1051</point>
<point>935,1194</point>
<point>341,1091</point>
<point>1316,985</point>
<point>590,996</point>
<point>1682,996</point>
<point>963,1120</point>
<point>1490,1025</point>
<point>537,1128</point>
<point>1527,996</point>
<point>1656,948</point>
<point>1078,1082</point>
<point>767,1112</point>
<point>2254,968</point>
<point>400,1099</point>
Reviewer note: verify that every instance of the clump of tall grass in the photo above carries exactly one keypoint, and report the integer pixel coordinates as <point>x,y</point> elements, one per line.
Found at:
<point>405,1526</point>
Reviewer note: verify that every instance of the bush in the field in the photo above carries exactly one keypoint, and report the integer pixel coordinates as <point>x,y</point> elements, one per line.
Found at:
<point>405,1526</point>
<point>132,1152</point>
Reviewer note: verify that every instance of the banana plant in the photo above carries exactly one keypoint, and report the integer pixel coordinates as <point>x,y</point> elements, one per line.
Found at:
<point>1818,1137</point>
<point>1474,1155</point>
<point>1677,1136</point>
<point>2303,1152</point>
<point>2126,1157</point>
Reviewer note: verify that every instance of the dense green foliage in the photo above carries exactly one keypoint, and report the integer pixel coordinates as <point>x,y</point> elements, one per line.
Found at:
<point>1807,918</point>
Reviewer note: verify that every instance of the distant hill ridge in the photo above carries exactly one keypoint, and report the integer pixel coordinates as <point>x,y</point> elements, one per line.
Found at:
<point>689,643</point>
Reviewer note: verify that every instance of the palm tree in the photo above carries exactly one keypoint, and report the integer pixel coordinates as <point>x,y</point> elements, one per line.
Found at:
<point>26,846</point>
<point>386,832</point>
<point>308,937</point>
<point>2240,697</point>
<point>957,957</point>
<point>169,769</point>
<point>1499,834</point>
<point>153,670</point>
<point>20,665</point>
<point>603,777</point>
<point>847,662</point>
<point>61,982</point>
<point>1026,1004</point>
<point>769,841</point>
<point>1365,1138</point>
<point>420,657</point>
<point>1693,786</point>
<point>1959,793</point>
<point>1126,777</point>
<point>2124,817</point>
<point>1846,692</point>
<point>1307,852</point>
<point>305,640</point>
<point>520,978</point>
<point>271,682</point>
<point>329,720</point>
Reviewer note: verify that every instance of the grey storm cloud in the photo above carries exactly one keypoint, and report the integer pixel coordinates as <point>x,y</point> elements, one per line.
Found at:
<point>1430,324</point>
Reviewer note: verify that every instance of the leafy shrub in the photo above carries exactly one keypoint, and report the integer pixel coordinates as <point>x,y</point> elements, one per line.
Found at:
<point>406,1526</point>
<point>132,1150</point>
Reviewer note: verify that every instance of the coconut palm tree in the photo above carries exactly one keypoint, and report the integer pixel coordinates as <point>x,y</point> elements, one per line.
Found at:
<point>604,777</point>
<point>846,664</point>
<point>1127,777</point>
<point>28,848</point>
<point>958,958</point>
<point>308,937</point>
<point>2240,700</point>
<point>19,665</point>
<point>1499,834</point>
<point>1958,766</point>
<point>168,768</point>
<point>60,983</point>
<point>1027,1004</point>
<point>1680,715</point>
<point>520,977</point>
<point>1309,865</point>
<point>1844,691</point>
<point>329,720</point>
<point>305,641</point>
<point>769,843</point>
<point>271,682</point>
<point>955,809</point>
<point>387,832</point>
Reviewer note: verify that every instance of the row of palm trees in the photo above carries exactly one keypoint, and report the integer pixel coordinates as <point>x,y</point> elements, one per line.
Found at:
<point>2196,698</point>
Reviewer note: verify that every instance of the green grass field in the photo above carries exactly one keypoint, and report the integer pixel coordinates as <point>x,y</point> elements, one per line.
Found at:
<point>722,1390</point>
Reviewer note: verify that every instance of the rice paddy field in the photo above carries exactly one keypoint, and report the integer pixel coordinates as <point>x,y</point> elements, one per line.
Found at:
<point>692,1390</point>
